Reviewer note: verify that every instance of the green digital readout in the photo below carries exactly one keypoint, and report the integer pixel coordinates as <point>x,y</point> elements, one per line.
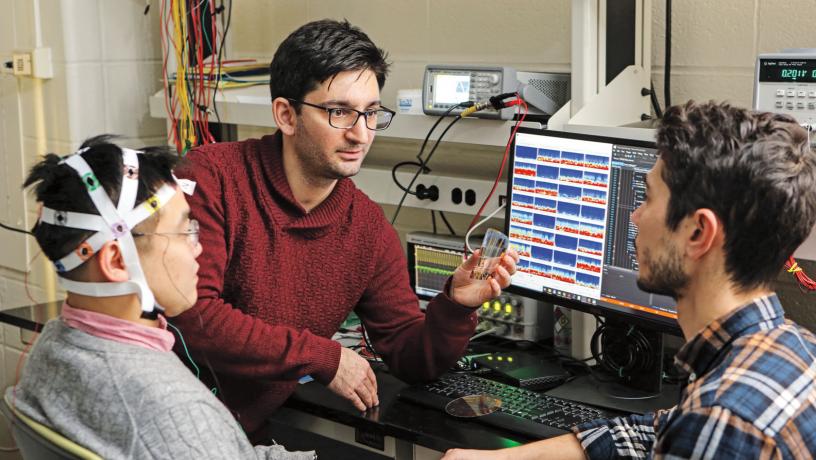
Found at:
<point>787,70</point>
<point>796,74</point>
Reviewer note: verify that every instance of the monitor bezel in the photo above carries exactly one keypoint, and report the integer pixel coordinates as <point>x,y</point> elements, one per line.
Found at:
<point>654,322</point>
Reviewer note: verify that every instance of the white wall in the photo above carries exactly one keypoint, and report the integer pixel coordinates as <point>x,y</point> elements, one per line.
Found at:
<point>106,57</point>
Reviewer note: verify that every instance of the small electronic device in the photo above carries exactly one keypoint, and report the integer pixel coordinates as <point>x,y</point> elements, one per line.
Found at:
<point>785,82</point>
<point>445,86</point>
<point>525,370</point>
<point>433,258</point>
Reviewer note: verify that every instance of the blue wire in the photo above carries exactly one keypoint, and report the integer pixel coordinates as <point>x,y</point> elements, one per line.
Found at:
<point>186,351</point>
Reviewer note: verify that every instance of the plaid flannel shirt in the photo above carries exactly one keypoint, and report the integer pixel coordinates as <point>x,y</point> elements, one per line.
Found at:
<point>751,394</point>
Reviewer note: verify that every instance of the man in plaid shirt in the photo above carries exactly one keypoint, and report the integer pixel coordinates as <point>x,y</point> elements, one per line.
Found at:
<point>731,197</point>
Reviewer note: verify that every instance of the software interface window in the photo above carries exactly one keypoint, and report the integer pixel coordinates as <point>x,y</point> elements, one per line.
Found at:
<point>571,202</point>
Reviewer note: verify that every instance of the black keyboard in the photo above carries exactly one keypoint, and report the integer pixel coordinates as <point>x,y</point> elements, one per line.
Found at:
<point>526,412</point>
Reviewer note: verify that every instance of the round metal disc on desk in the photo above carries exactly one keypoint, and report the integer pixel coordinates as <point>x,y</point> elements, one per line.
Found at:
<point>473,406</point>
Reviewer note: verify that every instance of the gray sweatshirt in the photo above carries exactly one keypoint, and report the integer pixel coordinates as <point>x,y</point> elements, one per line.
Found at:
<point>126,401</point>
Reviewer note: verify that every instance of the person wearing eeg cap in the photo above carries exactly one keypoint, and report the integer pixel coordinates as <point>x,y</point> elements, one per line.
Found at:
<point>119,231</point>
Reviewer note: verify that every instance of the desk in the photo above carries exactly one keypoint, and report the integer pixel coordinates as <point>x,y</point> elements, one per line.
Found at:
<point>396,429</point>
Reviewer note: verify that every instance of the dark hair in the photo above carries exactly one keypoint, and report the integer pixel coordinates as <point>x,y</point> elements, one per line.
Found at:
<point>59,187</point>
<point>318,51</point>
<point>755,170</point>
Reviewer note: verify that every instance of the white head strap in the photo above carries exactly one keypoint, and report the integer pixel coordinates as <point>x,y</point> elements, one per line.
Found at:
<point>112,223</point>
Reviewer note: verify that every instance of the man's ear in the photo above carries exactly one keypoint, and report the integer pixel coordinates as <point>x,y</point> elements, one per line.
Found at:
<point>111,263</point>
<point>285,115</point>
<point>703,232</point>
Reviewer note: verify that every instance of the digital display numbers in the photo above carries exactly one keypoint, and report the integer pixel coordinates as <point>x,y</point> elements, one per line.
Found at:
<point>787,70</point>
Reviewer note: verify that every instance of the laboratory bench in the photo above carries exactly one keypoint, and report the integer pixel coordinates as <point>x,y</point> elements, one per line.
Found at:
<point>314,417</point>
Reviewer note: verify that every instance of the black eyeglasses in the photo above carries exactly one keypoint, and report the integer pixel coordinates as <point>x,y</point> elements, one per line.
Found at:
<point>345,118</point>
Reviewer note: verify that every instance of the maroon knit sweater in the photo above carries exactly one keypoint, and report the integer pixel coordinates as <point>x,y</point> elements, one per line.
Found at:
<point>276,282</point>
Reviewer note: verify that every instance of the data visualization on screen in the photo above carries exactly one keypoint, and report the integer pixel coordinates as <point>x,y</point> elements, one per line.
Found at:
<point>571,198</point>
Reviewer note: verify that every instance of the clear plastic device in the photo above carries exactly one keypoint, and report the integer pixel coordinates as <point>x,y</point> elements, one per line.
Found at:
<point>494,245</point>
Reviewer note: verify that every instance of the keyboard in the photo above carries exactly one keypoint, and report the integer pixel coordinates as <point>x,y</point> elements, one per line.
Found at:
<point>522,411</point>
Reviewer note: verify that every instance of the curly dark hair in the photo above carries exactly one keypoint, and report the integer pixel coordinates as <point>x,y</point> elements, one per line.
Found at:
<point>318,51</point>
<point>754,170</point>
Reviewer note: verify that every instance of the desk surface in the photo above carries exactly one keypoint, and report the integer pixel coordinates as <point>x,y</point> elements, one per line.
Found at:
<point>420,425</point>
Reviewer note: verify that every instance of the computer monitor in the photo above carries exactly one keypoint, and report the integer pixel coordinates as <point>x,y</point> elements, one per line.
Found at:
<point>431,260</point>
<point>571,197</point>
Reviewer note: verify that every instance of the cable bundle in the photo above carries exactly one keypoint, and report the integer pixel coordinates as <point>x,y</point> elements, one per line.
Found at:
<point>189,30</point>
<point>804,280</point>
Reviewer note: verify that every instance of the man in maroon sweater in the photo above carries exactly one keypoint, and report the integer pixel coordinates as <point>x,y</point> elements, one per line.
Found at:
<point>291,246</point>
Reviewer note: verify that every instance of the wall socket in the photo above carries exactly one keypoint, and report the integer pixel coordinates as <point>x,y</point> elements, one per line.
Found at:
<point>36,63</point>
<point>456,194</point>
<point>21,64</point>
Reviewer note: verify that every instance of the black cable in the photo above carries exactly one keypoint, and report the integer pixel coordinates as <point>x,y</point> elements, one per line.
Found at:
<point>18,230</point>
<point>655,104</point>
<point>394,174</point>
<point>667,75</point>
<point>422,166</point>
<point>447,224</point>
<point>433,221</point>
<point>439,120</point>
<point>221,56</point>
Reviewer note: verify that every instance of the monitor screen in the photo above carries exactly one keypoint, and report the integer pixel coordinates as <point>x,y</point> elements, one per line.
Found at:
<point>432,259</point>
<point>570,201</point>
<point>451,89</point>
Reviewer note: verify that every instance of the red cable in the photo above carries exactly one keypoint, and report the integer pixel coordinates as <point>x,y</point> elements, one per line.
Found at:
<point>517,101</point>
<point>804,280</point>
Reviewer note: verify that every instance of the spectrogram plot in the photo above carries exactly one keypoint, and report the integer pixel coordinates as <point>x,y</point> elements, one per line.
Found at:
<point>547,172</point>
<point>573,176</point>
<point>549,156</point>
<point>527,153</point>
<point>564,258</point>
<point>542,237</point>
<point>540,270</point>
<point>521,200</point>
<point>546,188</point>
<point>590,195</point>
<point>523,250</point>
<point>591,230</point>
<point>521,233</point>
<point>545,205</point>
<point>521,217</point>
<point>541,221</point>
<point>564,275</point>
<point>596,178</point>
<point>589,264</point>
<point>542,254</point>
<point>569,210</point>
<point>569,192</point>
<point>566,242</point>
<point>567,226</point>
<point>593,213</point>
<point>524,266</point>
<point>594,248</point>
<point>524,169</point>
<point>572,158</point>
<point>596,162</point>
<point>589,281</point>
<point>524,185</point>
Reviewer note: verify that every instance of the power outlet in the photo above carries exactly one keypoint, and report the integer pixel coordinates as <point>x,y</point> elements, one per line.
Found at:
<point>21,64</point>
<point>36,63</point>
<point>377,184</point>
